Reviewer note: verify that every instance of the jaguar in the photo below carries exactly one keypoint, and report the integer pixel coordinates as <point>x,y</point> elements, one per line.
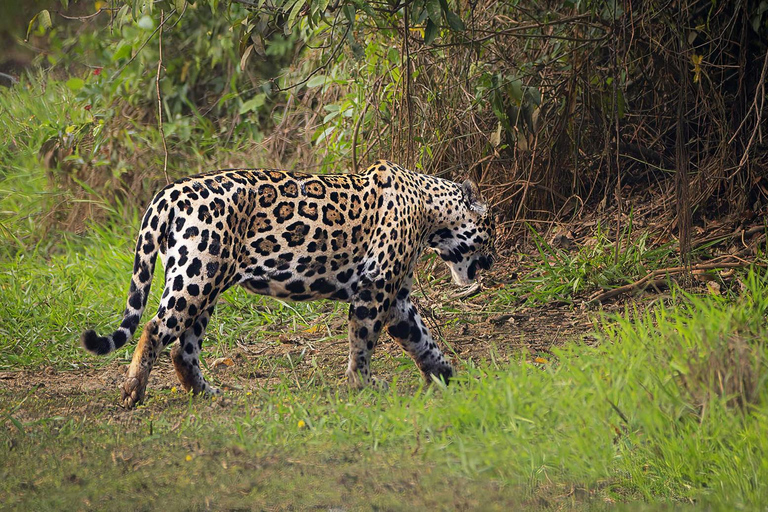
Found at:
<point>354,238</point>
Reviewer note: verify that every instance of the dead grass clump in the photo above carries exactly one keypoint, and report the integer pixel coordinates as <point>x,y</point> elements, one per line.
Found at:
<point>732,367</point>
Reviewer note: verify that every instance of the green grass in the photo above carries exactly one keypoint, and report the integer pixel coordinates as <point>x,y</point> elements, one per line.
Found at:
<point>559,275</point>
<point>669,408</point>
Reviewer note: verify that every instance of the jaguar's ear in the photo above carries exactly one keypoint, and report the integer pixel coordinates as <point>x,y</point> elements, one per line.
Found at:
<point>471,192</point>
<point>472,195</point>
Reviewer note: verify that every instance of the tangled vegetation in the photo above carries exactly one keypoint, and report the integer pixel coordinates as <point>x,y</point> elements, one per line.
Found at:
<point>558,108</point>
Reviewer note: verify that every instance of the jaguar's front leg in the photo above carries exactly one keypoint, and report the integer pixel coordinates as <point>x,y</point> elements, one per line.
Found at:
<point>366,321</point>
<point>408,329</point>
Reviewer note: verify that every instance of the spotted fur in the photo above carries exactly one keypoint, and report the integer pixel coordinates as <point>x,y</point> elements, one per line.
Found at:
<point>351,238</point>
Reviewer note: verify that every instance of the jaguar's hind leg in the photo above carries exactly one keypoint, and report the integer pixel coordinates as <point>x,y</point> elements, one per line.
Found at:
<point>186,358</point>
<point>178,313</point>
<point>366,320</point>
<point>144,357</point>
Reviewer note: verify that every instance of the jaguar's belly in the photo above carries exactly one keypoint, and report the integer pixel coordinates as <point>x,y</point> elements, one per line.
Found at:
<point>305,279</point>
<point>301,262</point>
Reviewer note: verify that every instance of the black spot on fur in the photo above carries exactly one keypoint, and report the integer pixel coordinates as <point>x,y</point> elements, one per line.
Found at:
<point>193,269</point>
<point>399,330</point>
<point>295,287</point>
<point>322,286</point>
<point>119,337</point>
<point>130,322</point>
<point>472,270</point>
<point>94,343</point>
<point>345,276</point>
<point>135,300</point>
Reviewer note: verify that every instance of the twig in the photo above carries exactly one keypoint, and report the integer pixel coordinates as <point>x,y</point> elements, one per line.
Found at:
<point>682,153</point>
<point>758,113</point>
<point>354,136</point>
<point>615,113</point>
<point>739,233</point>
<point>754,102</point>
<point>246,2</point>
<point>88,16</point>
<point>11,79</point>
<point>408,103</point>
<point>122,68</point>
<point>159,99</point>
<point>321,67</point>
<point>642,283</point>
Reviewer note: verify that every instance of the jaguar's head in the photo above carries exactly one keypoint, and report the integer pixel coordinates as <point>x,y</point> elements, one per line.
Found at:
<point>467,243</point>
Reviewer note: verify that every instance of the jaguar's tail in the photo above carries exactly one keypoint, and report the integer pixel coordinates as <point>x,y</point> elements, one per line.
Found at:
<point>152,234</point>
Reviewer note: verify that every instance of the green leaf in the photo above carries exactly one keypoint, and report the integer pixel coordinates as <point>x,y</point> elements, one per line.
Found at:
<point>532,94</point>
<point>357,50</point>
<point>329,116</point>
<point>179,5</point>
<point>253,104</point>
<point>418,13</point>
<point>146,23</point>
<point>349,12</point>
<point>122,52</point>
<point>44,18</point>
<point>430,32</point>
<point>393,56</point>
<point>294,13</point>
<point>136,8</point>
<point>454,21</point>
<point>75,84</point>
<point>244,58</point>
<point>514,90</point>
<point>434,11</point>
<point>316,81</point>
<point>497,105</point>
<point>16,423</point>
<point>621,107</point>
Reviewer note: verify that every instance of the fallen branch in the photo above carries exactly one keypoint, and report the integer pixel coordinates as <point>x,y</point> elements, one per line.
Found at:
<point>651,279</point>
<point>739,233</point>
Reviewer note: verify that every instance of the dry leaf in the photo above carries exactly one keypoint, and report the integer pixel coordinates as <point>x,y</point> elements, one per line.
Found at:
<point>222,363</point>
